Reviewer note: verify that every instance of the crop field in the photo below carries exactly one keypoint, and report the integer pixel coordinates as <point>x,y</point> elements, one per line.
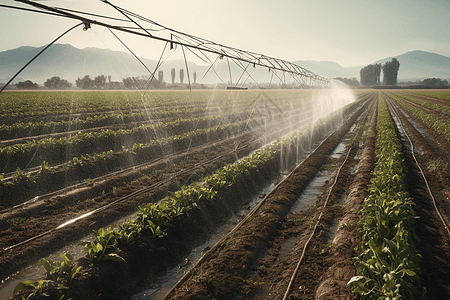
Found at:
<point>324,195</point>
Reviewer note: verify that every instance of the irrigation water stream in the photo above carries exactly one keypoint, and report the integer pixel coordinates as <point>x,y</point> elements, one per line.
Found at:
<point>156,288</point>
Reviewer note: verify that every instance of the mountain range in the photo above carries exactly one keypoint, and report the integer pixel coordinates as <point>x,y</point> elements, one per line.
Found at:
<point>70,63</point>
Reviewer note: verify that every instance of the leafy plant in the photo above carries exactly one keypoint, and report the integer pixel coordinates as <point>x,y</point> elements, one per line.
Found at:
<point>20,176</point>
<point>45,168</point>
<point>101,247</point>
<point>437,164</point>
<point>62,272</point>
<point>16,221</point>
<point>128,232</point>
<point>88,181</point>
<point>346,225</point>
<point>388,267</point>
<point>77,162</point>
<point>38,286</point>
<point>197,273</point>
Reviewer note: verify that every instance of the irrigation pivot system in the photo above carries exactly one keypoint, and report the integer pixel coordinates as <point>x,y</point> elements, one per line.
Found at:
<point>207,51</point>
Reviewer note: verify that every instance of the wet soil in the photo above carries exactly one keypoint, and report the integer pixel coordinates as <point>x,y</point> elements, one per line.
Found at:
<point>97,281</point>
<point>253,262</point>
<point>54,211</point>
<point>257,260</point>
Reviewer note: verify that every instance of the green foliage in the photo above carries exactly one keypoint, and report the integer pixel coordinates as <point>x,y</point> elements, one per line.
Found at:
<point>45,168</point>
<point>440,126</point>
<point>197,273</point>
<point>437,164</point>
<point>128,232</point>
<point>370,74</point>
<point>77,162</point>
<point>390,72</point>
<point>101,247</point>
<point>20,176</point>
<point>39,287</point>
<point>57,83</point>
<point>62,272</point>
<point>16,221</point>
<point>388,267</point>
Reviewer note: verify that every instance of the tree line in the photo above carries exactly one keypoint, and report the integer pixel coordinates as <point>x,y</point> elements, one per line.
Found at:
<point>428,82</point>
<point>104,82</point>
<point>370,74</point>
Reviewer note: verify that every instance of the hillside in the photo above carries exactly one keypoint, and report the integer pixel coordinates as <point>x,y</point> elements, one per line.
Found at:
<point>421,64</point>
<point>70,63</point>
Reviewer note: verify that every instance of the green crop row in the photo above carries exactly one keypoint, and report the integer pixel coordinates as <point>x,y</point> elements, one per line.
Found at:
<point>440,126</point>
<point>442,95</point>
<point>57,103</point>
<point>20,129</point>
<point>104,133</point>
<point>151,220</point>
<point>424,103</point>
<point>388,267</point>
<point>87,159</point>
<point>20,104</point>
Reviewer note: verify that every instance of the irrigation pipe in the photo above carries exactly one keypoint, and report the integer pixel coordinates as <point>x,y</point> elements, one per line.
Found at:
<point>291,281</point>
<point>420,168</point>
<point>249,215</point>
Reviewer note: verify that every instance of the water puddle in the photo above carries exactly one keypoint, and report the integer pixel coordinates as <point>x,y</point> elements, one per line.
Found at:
<point>338,151</point>
<point>35,271</point>
<point>329,236</point>
<point>286,246</point>
<point>343,200</point>
<point>159,287</point>
<point>314,189</point>
<point>402,131</point>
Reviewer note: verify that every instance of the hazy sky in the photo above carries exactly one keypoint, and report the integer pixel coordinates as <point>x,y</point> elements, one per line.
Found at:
<point>349,32</point>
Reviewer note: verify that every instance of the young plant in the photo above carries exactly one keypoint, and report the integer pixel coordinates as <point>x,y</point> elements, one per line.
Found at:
<point>45,168</point>
<point>16,221</point>
<point>20,176</point>
<point>77,162</point>
<point>62,272</point>
<point>128,232</point>
<point>102,246</point>
<point>388,267</point>
<point>39,287</point>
